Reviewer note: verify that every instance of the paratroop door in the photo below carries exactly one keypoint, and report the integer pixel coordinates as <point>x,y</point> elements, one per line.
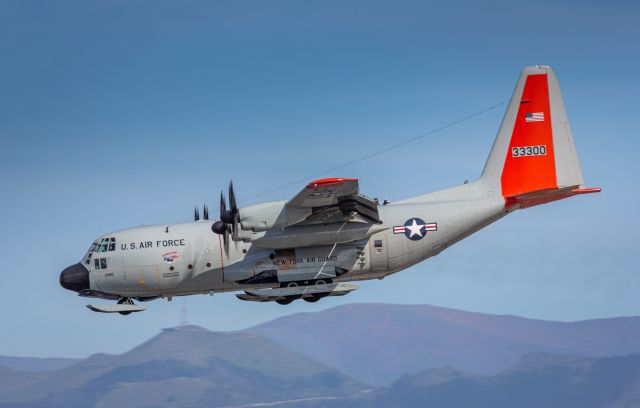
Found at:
<point>378,253</point>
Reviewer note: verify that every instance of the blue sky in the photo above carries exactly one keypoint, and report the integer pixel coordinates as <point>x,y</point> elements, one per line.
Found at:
<point>121,113</point>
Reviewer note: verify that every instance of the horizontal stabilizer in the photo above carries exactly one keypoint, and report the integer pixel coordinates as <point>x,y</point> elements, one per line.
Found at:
<point>545,196</point>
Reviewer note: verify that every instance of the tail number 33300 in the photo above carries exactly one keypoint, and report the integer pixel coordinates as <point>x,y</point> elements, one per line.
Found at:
<point>525,151</point>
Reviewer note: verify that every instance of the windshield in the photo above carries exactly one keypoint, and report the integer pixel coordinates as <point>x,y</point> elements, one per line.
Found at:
<point>104,245</point>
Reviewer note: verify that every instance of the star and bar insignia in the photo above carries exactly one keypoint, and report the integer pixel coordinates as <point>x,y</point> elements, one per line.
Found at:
<point>415,229</point>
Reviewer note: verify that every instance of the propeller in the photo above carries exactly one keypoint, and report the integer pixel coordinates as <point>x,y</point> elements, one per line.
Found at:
<point>220,227</point>
<point>196,214</point>
<point>229,219</point>
<point>233,215</point>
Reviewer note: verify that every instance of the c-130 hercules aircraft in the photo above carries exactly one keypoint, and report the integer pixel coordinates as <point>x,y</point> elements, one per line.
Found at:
<point>329,234</point>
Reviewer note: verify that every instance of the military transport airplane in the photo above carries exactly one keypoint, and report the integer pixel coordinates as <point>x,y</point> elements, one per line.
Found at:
<point>330,234</point>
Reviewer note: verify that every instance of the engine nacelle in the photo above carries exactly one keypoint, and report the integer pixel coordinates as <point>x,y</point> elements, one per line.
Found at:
<point>275,214</point>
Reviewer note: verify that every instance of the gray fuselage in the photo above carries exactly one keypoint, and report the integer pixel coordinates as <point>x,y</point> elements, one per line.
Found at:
<point>187,258</point>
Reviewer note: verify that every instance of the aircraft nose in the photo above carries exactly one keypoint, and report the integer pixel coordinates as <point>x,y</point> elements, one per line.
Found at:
<point>75,278</point>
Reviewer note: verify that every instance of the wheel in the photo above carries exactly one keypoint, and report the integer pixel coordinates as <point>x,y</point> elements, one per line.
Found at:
<point>284,301</point>
<point>321,282</point>
<point>125,301</point>
<point>292,285</point>
<point>312,299</point>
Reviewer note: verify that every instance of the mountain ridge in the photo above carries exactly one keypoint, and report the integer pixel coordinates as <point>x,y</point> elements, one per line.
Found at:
<point>313,358</point>
<point>377,343</point>
<point>219,367</point>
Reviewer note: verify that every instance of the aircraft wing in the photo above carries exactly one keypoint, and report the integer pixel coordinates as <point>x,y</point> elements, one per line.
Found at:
<point>334,200</point>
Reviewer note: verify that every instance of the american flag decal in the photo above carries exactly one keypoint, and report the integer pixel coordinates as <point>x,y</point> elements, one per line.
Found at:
<point>534,117</point>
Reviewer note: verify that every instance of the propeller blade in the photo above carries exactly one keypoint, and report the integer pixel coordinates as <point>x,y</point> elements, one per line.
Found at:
<point>235,215</point>
<point>232,197</point>
<point>223,205</point>
<point>205,213</point>
<point>225,239</point>
<point>196,214</point>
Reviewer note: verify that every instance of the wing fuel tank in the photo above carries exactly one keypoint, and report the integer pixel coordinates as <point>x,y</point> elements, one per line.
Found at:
<point>317,234</point>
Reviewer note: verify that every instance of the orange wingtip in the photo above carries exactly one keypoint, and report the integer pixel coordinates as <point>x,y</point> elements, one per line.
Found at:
<point>331,180</point>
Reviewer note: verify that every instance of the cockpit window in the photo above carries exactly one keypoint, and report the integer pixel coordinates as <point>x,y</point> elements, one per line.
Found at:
<point>106,244</point>
<point>87,258</point>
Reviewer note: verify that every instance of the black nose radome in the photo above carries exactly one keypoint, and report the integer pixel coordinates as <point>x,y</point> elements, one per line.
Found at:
<point>75,278</point>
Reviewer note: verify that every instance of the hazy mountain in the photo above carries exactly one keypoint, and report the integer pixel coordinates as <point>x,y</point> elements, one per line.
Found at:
<point>188,365</point>
<point>377,343</point>
<point>538,380</point>
<point>286,362</point>
<point>36,364</point>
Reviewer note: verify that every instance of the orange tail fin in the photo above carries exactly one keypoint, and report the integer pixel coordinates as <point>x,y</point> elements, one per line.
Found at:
<point>533,159</point>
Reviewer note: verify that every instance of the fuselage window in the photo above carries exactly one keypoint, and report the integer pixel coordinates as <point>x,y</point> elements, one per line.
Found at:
<point>103,263</point>
<point>96,263</point>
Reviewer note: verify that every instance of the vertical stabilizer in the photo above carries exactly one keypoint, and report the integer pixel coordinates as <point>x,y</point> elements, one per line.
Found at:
<point>533,159</point>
